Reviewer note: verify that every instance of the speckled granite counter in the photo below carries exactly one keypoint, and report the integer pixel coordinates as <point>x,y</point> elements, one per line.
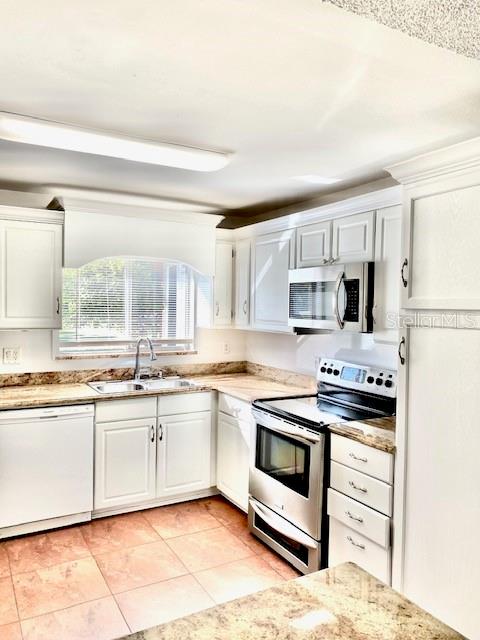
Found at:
<point>343,603</point>
<point>241,385</point>
<point>377,432</point>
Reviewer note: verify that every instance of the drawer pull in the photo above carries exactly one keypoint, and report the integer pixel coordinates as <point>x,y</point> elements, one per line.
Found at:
<point>352,517</point>
<point>356,487</point>
<point>355,544</point>
<point>354,457</point>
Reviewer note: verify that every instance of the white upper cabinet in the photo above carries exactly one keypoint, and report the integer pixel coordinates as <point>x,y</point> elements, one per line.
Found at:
<point>387,283</point>
<point>314,244</point>
<point>184,452</point>
<point>30,274</point>
<point>273,256</point>
<point>222,298</point>
<point>353,238</point>
<point>441,250</point>
<point>242,283</point>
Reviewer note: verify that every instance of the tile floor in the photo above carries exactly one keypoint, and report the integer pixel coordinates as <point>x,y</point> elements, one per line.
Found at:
<point>104,579</point>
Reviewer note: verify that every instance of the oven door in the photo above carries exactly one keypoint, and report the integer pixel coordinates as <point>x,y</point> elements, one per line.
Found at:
<point>329,297</point>
<point>286,471</point>
<point>302,551</point>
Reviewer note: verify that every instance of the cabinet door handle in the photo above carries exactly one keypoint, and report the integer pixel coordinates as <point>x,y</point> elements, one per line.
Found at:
<point>58,305</point>
<point>160,432</point>
<point>355,544</point>
<point>245,307</point>
<point>356,487</point>
<point>401,351</point>
<point>352,517</point>
<point>217,308</point>
<point>326,261</point>
<point>354,457</point>
<point>152,433</point>
<point>402,272</point>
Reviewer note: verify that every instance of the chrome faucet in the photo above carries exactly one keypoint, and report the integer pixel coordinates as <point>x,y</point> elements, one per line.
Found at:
<point>153,357</point>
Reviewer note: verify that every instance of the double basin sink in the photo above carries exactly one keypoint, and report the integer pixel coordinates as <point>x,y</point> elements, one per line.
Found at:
<point>129,386</point>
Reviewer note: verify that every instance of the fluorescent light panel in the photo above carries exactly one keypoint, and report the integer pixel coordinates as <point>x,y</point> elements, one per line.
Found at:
<point>313,178</point>
<point>43,133</point>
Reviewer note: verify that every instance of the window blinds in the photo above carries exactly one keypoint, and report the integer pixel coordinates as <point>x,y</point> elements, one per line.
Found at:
<point>114,301</point>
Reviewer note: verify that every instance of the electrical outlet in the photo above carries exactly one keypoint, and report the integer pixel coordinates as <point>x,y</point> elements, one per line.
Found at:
<point>226,347</point>
<point>12,355</point>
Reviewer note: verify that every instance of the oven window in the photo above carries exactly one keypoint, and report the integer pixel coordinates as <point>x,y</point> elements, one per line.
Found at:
<point>284,459</point>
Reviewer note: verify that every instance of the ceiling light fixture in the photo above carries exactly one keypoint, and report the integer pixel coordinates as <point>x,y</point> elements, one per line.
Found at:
<point>44,133</point>
<point>313,178</point>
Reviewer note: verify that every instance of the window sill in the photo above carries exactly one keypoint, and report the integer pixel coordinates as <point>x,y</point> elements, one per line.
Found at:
<point>124,354</point>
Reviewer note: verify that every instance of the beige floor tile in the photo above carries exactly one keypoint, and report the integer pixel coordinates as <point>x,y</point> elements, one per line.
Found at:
<point>223,511</point>
<point>280,565</point>
<point>134,567</point>
<point>4,564</point>
<point>58,587</point>
<point>240,530</point>
<point>8,608</point>
<point>118,532</point>
<point>11,631</point>
<point>46,549</point>
<point>238,579</point>
<point>97,620</point>
<point>162,602</point>
<point>180,519</point>
<point>208,549</point>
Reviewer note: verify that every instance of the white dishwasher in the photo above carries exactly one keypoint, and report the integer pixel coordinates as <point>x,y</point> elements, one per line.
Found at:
<point>46,468</point>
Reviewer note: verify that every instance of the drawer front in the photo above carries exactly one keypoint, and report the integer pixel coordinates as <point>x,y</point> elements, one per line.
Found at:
<point>373,525</point>
<point>235,407</point>
<point>125,409</point>
<point>346,545</point>
<point>378,464</point>
<point>365,489</point>
<point>169,405</point>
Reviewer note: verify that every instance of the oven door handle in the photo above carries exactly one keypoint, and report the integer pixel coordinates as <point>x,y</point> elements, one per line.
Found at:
<point>307,438</point>
<point>282,526</point>
<point>338,284</point>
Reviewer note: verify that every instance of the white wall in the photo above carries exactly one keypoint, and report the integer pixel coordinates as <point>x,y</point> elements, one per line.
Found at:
<point>37,354</point>
<point>298,353</point>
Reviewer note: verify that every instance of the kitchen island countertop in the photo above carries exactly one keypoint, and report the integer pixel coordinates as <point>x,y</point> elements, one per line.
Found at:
<point>342,603</point>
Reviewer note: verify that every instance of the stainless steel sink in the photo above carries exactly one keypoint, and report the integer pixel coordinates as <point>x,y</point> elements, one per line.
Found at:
<point>127,386</point>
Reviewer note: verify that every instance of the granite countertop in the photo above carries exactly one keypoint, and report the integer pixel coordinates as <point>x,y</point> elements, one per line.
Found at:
<point>376,432</point>
<point>342,603</point>
<point>245,386</point>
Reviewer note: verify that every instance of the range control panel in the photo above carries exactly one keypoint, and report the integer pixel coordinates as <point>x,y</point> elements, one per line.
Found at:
<point>355,376</point>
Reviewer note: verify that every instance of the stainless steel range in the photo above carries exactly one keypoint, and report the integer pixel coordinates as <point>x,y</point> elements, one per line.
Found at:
<point>288,477</point>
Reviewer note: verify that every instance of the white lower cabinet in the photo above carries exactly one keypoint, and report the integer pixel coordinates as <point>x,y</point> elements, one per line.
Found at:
<point>183,453</point>
<point>125,453</point>
<point>233,451</point>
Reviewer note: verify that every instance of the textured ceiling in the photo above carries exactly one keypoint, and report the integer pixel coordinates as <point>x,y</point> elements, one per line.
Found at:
<point>453,24</point>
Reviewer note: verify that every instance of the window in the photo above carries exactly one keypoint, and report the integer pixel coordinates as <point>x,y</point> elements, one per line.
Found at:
<point>109,303</point>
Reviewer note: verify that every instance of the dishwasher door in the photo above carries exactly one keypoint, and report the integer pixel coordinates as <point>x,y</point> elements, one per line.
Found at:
<point>46,463</point>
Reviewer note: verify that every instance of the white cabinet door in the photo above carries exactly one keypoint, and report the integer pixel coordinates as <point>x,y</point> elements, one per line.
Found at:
<point>440,443</point>
<point>388,231</point>
<point>31,275</point>
<point>353,238</point>
<point>124,462</point>
<point>222,303</point>
<point>184,453</point>
<point>314,244</point>
<point>233,451</point>
<point>441,241</point>
<point>242,283</point>
<point>273,256</point>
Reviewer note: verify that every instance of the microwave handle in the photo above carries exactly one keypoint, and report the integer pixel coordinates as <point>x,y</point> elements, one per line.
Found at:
<point>281,525</point>
<point>338,284</point>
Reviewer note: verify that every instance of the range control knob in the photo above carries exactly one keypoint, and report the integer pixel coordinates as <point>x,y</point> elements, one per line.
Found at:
<point>370,379</point>
<point>336,372</point>
<point>329,370</point>
<point>322,369</point>
<point>388,383</point>
<point>379,381</point>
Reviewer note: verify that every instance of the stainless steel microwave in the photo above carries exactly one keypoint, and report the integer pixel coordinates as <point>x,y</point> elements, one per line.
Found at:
<point>338,297</point>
